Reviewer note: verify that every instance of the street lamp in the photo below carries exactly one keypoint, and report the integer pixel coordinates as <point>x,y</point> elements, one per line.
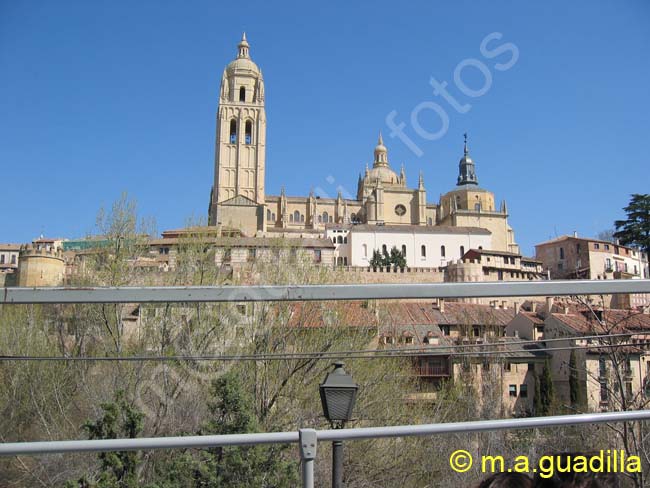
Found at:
<point>337,394</point>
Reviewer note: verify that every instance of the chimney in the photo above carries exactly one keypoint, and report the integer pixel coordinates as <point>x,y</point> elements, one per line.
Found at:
<point>515,305</point>
<point>575,233</point>
<point>504,304</point>
<point>549,304</point>
<point>441,305</point>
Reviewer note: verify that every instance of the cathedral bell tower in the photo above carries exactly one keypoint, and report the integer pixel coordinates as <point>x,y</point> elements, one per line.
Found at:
<point>237,196</point>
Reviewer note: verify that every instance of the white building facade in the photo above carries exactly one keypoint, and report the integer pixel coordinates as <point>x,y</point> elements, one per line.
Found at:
<point>423,247</point>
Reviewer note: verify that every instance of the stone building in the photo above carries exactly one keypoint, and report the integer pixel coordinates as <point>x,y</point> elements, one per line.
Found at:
<point>8,263</point>
<point>571,326</point>
<point>238,198</point>
<point>41,263</point>
<point>573,257</point>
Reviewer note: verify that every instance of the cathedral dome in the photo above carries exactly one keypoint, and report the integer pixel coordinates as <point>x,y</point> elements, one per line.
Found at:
<point>380,169</point>
<point>383,174</point>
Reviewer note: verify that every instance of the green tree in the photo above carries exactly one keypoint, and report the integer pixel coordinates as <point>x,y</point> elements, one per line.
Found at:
<point>576,390</point>
<point>547,390</point>
<point>635,230</point>
<point>397,258</point>
<point>117,469</point>
<point>232,412</point>
<point>377,259</point>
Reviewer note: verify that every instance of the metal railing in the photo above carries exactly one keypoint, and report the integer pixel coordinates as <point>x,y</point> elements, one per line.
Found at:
<point>308,439</point>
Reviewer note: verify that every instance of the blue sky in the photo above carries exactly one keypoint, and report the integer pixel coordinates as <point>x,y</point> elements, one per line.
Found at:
<point>98,98</point>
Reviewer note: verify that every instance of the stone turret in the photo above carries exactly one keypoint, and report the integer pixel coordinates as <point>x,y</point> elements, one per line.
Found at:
<point>40,266</point>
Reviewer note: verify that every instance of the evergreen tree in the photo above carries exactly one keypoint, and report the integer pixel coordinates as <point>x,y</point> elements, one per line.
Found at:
<point>397,259</point>
<point>635,230</point>
<point>538,396</point>
<point>547,390</point>
<point>118,469</point>
<point>575,386</point>
<point>232,412</point>
<point>377,260</point>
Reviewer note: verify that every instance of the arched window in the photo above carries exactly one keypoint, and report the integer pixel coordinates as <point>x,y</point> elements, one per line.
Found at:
<point>480,248</point>
<point>331,219</point>
<point>273,217</point>
<point>302,217</point>
<point>383,249</point>
<point>442,251</point>
<point>268,214</point>
<point>462,251</point>
<point>325,217</point>
<point>242,94</point>
<point>290,217</point>
<point>423,251</point>
<point>404,250</point>
<point>233,131</point>
<point>320,219</point>
<point>345,240</point>
<point>249,132</point>
<point>296,216</point>
<point>339,240</point>
<point>477,207</point>
<point>345,261</point>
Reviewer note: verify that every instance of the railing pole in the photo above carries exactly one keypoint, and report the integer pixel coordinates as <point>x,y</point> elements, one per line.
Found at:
<point>308,443</point>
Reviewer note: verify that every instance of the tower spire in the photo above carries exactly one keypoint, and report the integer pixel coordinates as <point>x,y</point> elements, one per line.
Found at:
<point>243,47</point>
<point>466,168</point>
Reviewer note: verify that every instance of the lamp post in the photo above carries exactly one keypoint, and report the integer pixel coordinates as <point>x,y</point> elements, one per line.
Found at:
<point>338,393</point>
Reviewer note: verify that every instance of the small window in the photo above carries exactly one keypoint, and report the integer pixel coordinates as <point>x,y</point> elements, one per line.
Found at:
<point>477,207</point>
<point>476,331</point>
<point>507,366</point>
<point>512,390</point>
<point>383,249</point>
<point>604,393</point>
<point>302,217</point>
<point>403,250</point>
<point>233,131</point>
<point>249,132</point>
<point>606,247</point>
<point>13,261</point>
<point>446,331</point>
<point>364,248</point>
<point>531,366</point>
<point>339,240</point>
<point>423,251</point>
<point>325,217</point>
<point>462,251</point>
<point>242,94</point>
<point>251,254</point>
<point>2,259</point>
<point>317,255</point>
<point>442,251</point>
<point>523,391</point>
<point>345,240</point>
<point>561,253</point>
<point>596,245</point>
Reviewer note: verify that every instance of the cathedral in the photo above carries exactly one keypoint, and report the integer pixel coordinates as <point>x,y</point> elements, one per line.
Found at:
<point>383,199</point>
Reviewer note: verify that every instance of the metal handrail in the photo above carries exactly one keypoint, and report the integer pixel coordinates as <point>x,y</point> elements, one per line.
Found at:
<point>308,438</point>
<point>261,293</point>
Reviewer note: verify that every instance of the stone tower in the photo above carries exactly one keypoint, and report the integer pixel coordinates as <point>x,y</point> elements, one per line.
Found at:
<point>237,196</point>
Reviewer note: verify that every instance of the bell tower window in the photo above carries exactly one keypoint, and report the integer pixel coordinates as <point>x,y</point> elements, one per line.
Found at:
<point>249,132</point>
<point>233,131</point>
<point>242,94</point>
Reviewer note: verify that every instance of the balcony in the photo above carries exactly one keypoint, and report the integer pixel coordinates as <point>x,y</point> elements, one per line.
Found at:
<point>426,369</point>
